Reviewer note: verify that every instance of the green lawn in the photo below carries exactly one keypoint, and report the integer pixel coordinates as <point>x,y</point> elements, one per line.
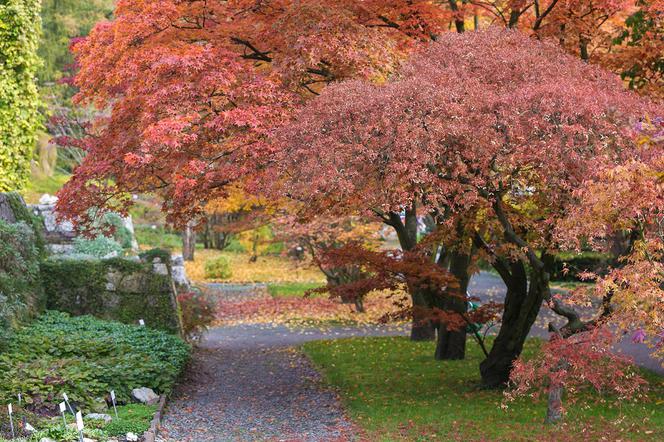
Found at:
<point>292,289</point>
<point>395,391</point>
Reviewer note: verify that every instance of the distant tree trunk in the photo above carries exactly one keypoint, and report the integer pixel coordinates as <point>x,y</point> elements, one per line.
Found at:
<point>207,237</point>
<point>421,329</point>
<point>451,345</point>
<point>188,242</point>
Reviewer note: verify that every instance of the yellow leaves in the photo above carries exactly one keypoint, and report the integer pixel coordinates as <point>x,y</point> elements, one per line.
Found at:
<point>237,200</point>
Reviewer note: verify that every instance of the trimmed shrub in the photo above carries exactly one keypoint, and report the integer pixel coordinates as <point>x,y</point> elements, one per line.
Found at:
<point>218,268</point>
<point>117,289</point>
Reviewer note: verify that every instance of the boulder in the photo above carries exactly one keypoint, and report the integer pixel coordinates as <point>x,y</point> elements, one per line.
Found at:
<point>145,395</point>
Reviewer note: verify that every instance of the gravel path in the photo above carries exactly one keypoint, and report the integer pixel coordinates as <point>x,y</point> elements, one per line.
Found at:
<point>247,383</point>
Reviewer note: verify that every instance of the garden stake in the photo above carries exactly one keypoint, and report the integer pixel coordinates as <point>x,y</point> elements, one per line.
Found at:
<point>11,420</point>
<point>79,425</point>
<point>63,408</point>
<point>113,400</point>
<point>66,398</point>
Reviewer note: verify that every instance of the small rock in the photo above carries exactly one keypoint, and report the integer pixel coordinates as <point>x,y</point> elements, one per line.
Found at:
<point>145,395</point>
<point>29,428</point>
<point>131,437</point>
<point>46,439</point>
<point>99,417</point>
<point>85,439</point>
<point>159,268</point>
<point>47,199</point>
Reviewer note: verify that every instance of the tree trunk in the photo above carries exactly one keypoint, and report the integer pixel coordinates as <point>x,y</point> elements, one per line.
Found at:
<point>188,242</point>
<point>422,329</point>
<point>522,304</point>
<point>451,345</point>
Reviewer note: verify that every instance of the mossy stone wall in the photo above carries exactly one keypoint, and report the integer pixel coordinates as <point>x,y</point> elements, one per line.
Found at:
<point>115,289</point>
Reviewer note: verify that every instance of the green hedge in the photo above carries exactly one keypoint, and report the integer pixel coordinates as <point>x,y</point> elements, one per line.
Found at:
<point>20,27</point>
<point>86,358</point>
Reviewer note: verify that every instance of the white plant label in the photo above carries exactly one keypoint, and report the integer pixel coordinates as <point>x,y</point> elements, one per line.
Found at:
<point>20,399</point>
<point>113,400</point>
<point>11,420</point>
<point>79,421</point>
<point>63,407</point>
<point>141,323</point>
<point>66,398</point>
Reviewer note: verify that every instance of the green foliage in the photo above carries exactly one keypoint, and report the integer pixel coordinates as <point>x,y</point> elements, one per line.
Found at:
<point>218,268</point>
<point>86,358</point>
<point>78,286</point>
<point>62,21</point>
<point>22,213</point>
<point>395,390</point>
<point>121,234</point>
<point>135,418</point>
<point>157,238</point>
<point>19,97</point>
<point>60,434</point>
<point>235,246</point>
<point>98,247</point>
<point>21,294</point>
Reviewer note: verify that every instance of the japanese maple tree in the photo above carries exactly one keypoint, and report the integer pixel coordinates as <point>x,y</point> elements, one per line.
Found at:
<point>489,127</point>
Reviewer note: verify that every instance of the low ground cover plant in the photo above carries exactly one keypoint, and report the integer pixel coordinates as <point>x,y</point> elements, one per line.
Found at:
<point>87,358</point>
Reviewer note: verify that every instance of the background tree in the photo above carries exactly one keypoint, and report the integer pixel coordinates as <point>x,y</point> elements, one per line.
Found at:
<point>19,97</point>
<point>320,236</point>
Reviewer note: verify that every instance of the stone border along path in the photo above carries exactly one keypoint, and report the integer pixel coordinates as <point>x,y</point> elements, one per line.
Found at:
<point>248,383</point>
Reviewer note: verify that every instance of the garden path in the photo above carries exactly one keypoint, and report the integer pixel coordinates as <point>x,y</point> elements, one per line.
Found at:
<point>247,383</point>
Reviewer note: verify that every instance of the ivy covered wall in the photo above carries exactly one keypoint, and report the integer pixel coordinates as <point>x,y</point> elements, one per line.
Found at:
<point>20,28</point>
